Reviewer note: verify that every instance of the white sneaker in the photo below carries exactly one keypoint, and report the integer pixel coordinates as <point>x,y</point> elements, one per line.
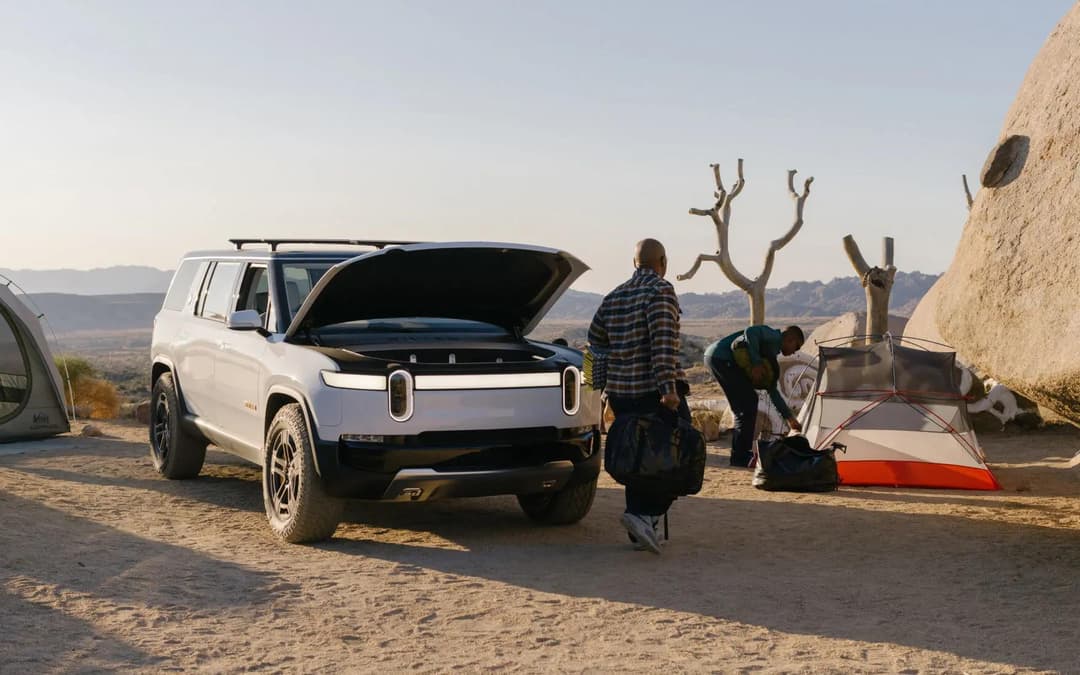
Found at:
<point>642,529</point>
<point>638,546</point>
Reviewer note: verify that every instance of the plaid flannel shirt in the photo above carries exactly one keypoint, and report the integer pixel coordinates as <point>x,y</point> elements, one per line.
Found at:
<point>637,325</point>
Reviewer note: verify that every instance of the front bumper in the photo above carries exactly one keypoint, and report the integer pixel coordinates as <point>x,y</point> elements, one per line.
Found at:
<point>436,465</point>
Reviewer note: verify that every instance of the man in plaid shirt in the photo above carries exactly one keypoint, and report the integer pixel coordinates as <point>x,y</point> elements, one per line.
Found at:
<point>637,326</point>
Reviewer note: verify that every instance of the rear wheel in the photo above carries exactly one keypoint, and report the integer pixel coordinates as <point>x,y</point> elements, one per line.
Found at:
<point>564,507</point>
<point>297,506</point>
<point>176,454</point>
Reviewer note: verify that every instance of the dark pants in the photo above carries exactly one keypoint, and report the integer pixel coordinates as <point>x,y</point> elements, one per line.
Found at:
<point>743,401</point>
<point>638,501</point>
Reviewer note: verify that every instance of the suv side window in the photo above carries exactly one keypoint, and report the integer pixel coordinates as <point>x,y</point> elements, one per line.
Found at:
<point>255,291</point>
<point>217,298</point>
<point>181,288</point>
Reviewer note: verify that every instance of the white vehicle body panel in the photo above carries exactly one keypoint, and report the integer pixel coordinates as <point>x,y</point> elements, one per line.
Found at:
<point>230,380</point>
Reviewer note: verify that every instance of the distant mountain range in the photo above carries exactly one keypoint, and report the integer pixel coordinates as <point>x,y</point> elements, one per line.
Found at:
<point>127,298</point>
<point>799,298</point>
<point>118,280</point>
<point>68,313</point>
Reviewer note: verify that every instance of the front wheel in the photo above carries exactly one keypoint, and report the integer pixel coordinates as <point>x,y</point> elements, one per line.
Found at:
<point>564,507</point>
<point>297,506</point>
<point>176,454</point>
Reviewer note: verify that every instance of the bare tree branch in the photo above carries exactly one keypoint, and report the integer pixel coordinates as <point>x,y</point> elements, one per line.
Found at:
<point>766,270</point>
<point>719,183</point>
<point>800,201</point>
<point>877,283</point>
<point>739,183</point>
<point>855,256</point>
<point>689,274</point>
<point>887,249</point>
<point>967,191</point>
<point>721,217</point>
<point>724,252</point>
<point>726,211</point>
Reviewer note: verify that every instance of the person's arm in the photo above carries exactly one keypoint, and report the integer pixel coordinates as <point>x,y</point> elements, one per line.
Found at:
<point>598,335</point>
<point>780,403</point>
<point>783,409</point>
<point>663,320</point>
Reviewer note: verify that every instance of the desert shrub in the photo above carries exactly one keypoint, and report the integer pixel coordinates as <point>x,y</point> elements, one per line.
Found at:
<point>94,397</point>
<point>98,398</point>
<point>73,368</point>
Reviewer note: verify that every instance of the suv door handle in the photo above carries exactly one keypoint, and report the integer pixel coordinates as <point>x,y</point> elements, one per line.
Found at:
<point>223,346</point>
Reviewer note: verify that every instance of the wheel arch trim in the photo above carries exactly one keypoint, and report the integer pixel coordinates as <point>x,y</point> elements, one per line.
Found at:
<point>305,407</point>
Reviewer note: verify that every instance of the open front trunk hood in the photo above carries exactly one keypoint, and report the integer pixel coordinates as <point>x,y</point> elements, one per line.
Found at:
<point>509,285</point>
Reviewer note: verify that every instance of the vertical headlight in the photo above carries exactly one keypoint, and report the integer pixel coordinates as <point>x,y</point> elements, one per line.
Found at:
<point>571,390</point>
<point>400,395</point>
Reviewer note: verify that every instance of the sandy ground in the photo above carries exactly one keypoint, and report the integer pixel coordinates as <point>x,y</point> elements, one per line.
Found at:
<point>105,566</point>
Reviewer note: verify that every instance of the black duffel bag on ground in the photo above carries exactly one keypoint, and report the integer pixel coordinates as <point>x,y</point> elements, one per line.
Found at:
<point>657,451</point>
<point>789,464</point>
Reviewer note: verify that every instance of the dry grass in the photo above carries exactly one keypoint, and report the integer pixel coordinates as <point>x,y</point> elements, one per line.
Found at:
<point>94,397</point>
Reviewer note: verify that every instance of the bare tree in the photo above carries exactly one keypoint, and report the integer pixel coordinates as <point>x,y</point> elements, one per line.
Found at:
<point>877,282</point>
<point>967,191</point>
<point>721,217</point>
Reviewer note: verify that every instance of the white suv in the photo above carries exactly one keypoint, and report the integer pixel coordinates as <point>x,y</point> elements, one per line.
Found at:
<point>399,374</point>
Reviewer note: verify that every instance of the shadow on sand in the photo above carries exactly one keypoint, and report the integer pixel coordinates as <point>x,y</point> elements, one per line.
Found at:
<point>981,589</point>
<point>984,590</point>
<point>48,567</point>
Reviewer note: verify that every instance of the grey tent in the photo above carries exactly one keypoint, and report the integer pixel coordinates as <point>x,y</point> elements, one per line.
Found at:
<point>899,412</point>
<point>31,402</point>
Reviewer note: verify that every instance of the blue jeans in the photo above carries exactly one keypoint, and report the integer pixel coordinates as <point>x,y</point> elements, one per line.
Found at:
<point>744,402</point>
<point>638,501</point>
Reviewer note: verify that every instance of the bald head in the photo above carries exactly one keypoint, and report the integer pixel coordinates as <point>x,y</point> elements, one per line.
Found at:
<point>650,253</point>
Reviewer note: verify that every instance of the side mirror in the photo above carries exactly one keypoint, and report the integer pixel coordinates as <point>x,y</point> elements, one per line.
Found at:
<point>245,319</point>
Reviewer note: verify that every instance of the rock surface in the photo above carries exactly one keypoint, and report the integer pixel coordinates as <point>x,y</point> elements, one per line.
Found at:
<point>142,412</point>
<point>846,325</point>
<point>91,431</point>
<point>1010,302</point>
<point>922,325</point>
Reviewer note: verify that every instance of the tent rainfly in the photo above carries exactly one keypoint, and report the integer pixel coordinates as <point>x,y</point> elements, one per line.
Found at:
<point>31,402</point>
<point>899,412</point>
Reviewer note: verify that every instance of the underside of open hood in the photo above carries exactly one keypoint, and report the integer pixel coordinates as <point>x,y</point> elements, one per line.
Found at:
<point>508,285</point>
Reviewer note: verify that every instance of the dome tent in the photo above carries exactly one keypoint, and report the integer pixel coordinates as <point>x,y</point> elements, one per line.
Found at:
<point>31,399</point>
<point>900,413</point>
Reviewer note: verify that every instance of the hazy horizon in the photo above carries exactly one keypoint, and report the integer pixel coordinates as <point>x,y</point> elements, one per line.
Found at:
<point>31,288</point>
<point>132,133</point>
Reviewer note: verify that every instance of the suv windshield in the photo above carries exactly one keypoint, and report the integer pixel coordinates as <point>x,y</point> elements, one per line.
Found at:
<point>299,278</point>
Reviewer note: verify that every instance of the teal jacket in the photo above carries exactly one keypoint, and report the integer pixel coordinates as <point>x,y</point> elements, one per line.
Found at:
<point>763,343</point>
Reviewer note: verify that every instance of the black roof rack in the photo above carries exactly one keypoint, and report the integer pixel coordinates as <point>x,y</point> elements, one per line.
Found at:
<point>274,243</point>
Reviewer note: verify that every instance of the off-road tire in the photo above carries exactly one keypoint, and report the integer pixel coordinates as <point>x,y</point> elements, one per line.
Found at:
<point>564,507</point>
<point>297,506</point>
<point>176,454</point>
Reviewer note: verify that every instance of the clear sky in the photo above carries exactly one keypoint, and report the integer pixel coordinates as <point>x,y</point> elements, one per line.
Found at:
<point>131,132</point>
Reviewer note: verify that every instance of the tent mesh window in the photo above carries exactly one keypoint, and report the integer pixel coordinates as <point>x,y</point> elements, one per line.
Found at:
<point>888,367</point>
<point>14,370</point>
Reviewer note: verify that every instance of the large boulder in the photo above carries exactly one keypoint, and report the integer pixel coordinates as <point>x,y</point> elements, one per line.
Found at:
<point>1010,302</point>
<point>846,325</point>
<point>922,326</point>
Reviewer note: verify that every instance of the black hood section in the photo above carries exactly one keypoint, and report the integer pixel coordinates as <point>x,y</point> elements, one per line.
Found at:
<point>504,285</point>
